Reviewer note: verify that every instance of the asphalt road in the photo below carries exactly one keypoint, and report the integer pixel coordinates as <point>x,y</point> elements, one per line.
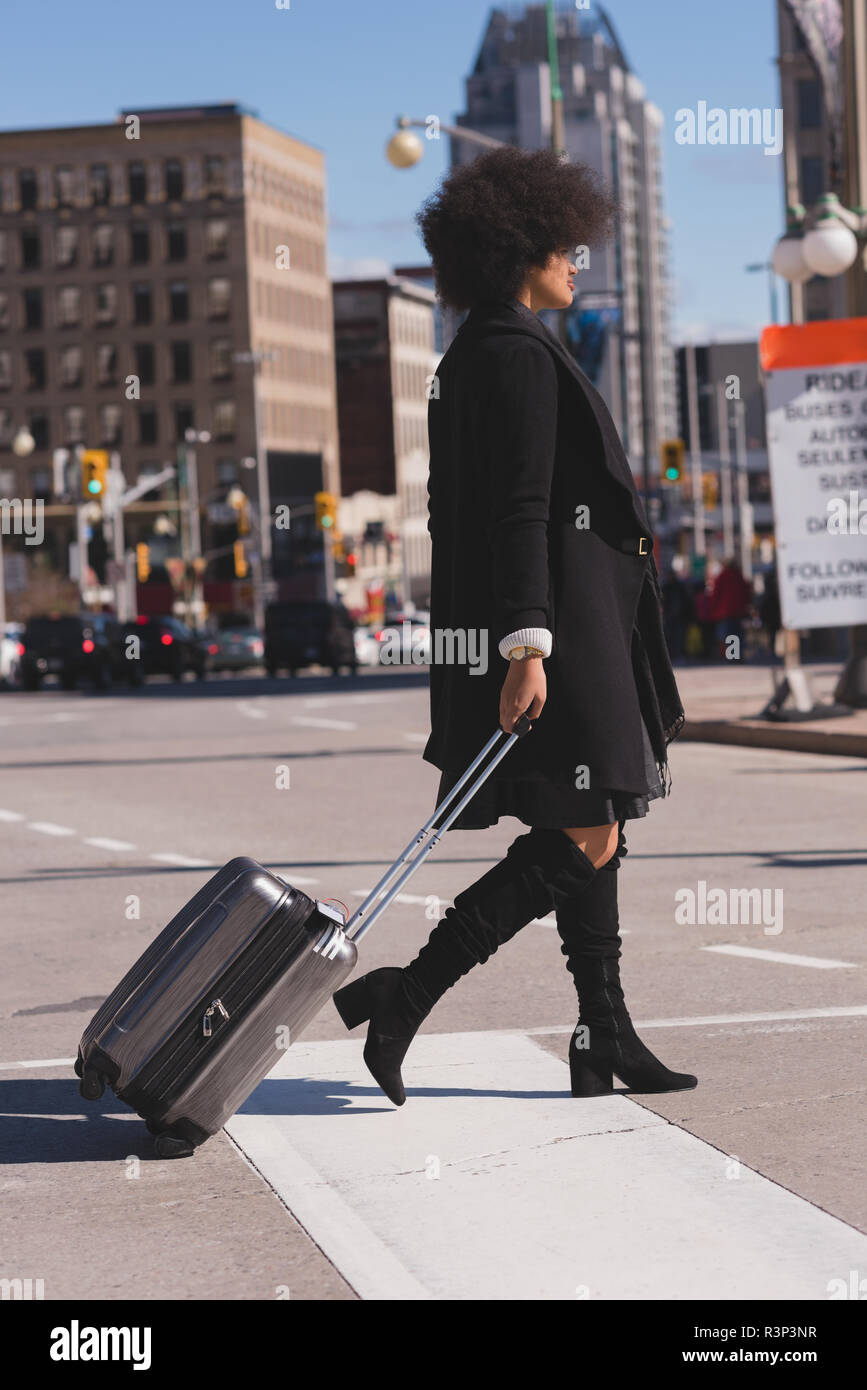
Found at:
<point>114,809</point>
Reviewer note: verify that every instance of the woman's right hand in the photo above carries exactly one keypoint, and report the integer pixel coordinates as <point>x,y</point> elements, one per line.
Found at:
<point>524,691</point>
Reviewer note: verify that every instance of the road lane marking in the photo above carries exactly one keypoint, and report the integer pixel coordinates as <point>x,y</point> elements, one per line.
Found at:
<point>362,1258</point>
<point>183,861</point>
<point>100,842</point>
<point>416,738</point>
<point>783,1015</point>
<point>251,711</point>
<point>47,827</point>
<point>42,1062</point>
<point>490,1127</point>
<point>319,701</point>
<point>10,815</point>
<point>322,723</point>
<point>703,1020</point>
<point>782,957</point>
<point>422,900</point>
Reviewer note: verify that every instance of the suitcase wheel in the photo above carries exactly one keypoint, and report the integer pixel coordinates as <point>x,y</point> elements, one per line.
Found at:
<point>170,1145</point>
<point>92,1085</point>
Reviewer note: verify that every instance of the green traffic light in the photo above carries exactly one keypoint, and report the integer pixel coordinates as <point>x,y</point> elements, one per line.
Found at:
<point>672,474</point>
<point>327,521</point>
<point>94,486</point>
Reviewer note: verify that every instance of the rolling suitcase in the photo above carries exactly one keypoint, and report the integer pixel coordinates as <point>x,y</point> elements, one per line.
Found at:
<point>234,978</point>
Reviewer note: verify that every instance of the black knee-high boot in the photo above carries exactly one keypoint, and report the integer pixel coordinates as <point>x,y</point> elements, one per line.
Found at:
<point>541,870</point>
<point>605,1042</point>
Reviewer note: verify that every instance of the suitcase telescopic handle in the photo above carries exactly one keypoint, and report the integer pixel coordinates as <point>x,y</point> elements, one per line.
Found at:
<point>363,918</point>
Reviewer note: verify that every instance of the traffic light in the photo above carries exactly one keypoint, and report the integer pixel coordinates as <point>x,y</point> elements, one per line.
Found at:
<point>240,560</point>
<point>671,459</point>
<point>326,511</point>
<point>351,562</point>
<point>94,466</point>
<point>142,562</point>
<point>710,490</point>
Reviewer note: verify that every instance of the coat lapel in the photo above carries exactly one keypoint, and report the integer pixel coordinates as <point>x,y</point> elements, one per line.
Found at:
<point>511,316</point>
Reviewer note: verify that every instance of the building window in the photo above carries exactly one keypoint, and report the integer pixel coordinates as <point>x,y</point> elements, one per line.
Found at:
<point>144,363</point>
<point>139,244</point>
<point>809,104</point>
<point>174,172</point>
<point>179,301</point>
<point>64,186</point>
<point>68,306</point>
<point>6,434</point>
<point>34,369</point>
<point>4,309</point>
<point>216,238</point>
<point>137,183</point>
<point>214,175</point>
<point>224,420</point>
<point>66,246</point>
<point>31,253</point>
<point>221,358</point>
<point>183,420</point>
<point>71,365</point>
<point>32,308</point>
<point>103,244</point>
<point>38,427</point>
<point>74,424</point>
<point>109,424</point>
<point>42,484</point>
<point>106,364</point>
<point>106,303</point>
<point>182,362</point>
<point>28,195</point>
<point>2,250</point>
<point>177,241</point>
<point>100,185</point>
<point>142,304</point>
<point>812,178</point>
<point>227,472</point>
<point>5,370</point>
<point>147,424</point>
<point>219,298</point>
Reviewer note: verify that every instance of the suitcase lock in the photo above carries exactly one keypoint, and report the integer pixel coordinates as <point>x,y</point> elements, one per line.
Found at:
<point>206,1018</point>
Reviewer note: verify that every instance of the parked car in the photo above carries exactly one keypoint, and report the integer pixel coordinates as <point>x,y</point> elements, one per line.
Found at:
<point>366,644</point>
<point>308,633</point>
<point>399,645</point>
<point>168,647</point>
<point>75,647</point>
<point>234,648</point>
<point>10,653</point>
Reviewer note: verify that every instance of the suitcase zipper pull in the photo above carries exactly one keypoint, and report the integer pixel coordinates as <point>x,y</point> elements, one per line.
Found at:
<point>206,1019</point>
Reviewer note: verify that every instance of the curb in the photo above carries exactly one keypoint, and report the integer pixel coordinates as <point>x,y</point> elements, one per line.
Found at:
<point>766,734</point>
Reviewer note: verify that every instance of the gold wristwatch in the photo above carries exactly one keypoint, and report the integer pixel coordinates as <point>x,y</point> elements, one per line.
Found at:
<point>520,653</point>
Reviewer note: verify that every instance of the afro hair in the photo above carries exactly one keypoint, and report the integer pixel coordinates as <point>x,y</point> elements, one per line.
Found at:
<point>493,220</point>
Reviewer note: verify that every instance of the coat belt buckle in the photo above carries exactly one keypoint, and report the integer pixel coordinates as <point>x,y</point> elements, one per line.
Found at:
<point>642,545</point>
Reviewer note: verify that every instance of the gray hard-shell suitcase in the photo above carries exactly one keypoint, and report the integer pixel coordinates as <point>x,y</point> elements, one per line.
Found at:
<point>234,978</point>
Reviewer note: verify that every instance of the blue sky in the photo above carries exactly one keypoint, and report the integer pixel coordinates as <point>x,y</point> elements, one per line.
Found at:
<point>337,72</point>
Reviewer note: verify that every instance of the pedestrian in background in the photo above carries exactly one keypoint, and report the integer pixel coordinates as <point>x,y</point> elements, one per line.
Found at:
<point>729,603</point>
<point>539,539</point>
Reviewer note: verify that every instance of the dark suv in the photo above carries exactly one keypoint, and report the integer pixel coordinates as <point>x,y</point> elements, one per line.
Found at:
<point>308,633</point>
<point>73,647</point>
<point>168,647</point>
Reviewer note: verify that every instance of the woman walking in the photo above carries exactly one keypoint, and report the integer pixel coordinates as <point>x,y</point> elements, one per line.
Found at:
<point>540,542</point>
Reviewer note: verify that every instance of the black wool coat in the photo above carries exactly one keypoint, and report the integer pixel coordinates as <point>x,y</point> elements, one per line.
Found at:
<point>520,442</point>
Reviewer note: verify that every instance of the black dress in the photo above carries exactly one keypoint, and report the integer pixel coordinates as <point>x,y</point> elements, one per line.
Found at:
<point>543,801</point>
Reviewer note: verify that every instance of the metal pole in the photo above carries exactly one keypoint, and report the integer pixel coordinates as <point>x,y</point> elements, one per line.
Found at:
<point>81,537</point>
<point>262,481</point>
<point>725,462</point>
<point>695,452</point>
<point>745,509</point>
<point>2,589</point>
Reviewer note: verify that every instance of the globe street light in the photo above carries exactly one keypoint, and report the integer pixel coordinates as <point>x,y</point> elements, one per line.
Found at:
<point>23,444</point>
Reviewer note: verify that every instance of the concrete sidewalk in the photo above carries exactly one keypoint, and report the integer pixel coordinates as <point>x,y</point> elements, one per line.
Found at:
<point>723,702</point>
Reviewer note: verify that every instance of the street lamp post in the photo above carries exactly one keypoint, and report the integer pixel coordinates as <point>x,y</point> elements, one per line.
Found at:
<point>194,523</point>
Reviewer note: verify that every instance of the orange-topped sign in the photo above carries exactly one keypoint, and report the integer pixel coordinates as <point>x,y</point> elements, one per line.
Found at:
<point>825,343</point>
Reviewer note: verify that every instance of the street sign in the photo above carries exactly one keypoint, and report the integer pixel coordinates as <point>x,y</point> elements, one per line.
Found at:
<point>816,398</point>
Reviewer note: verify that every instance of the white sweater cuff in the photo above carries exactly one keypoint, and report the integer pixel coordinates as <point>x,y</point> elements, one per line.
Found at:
<point>527,637</point>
